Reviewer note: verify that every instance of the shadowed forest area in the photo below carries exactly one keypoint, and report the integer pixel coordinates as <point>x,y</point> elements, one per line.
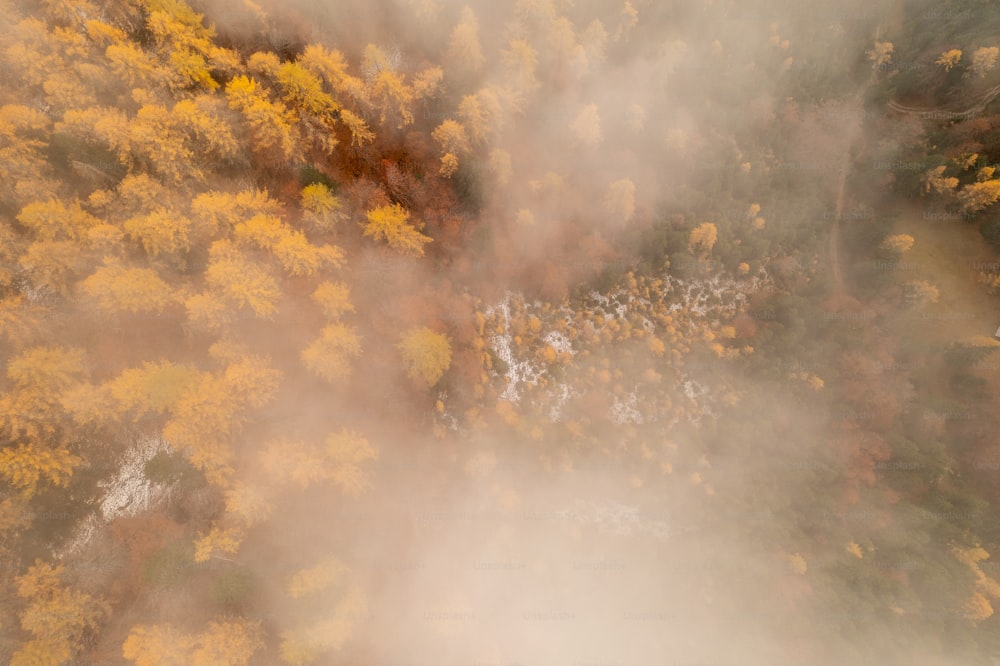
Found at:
<point>546,332</point>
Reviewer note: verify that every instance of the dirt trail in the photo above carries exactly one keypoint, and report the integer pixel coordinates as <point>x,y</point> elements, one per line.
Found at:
<point>944,113</point>
<point>840,289</point>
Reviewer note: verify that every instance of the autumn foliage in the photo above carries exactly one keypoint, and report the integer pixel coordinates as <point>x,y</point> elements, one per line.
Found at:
<point>245,274</point>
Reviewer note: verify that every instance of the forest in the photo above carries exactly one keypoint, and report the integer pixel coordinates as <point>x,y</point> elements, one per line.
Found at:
<point>553,332</point>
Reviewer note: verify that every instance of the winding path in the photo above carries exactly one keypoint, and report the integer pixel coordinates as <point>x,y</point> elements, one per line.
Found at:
<point>840,290</point>
<point>838,274</point>
<point>944,113</point>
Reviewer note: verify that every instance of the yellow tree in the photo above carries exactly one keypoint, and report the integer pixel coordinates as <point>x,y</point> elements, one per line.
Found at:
<point>296,651</point>
<point>155,136</point>
<point>392,225</point>
<point>334,299</point>
<point>536,13</point>
<point>329,355</point>
<point>702,238</point>
<point>985,585</point>
<point>453,141</point>
<point>99,126</point>
<point>897,244</point>
<point>293,462</point>
<point>136,67</point>
<point>264,231</point>
<point>106,240</point>
<point>920,292</point>
<point>209,311</point>
<point>565,56</point>
<point>501,166</point>
<point>309,581</point>
<point>272,124</point>
<point>240,280</point>
<point>339,460</point>
<point>213,409</point>
<point>934,179</point>
<point>464,52</point>
<point>157,645</point>
<point>155,387</point>
<point>203,422</point>
<point>520,61</point>
<point>53,265</point>
<point>88,404</point>
<point>161,232</point>
<point>46,368</point>
<point>880,54</point>
<point>31,55</point>
<point>57,616</point>
<point>24,134</point>
<point>296,254</point>
<point>24,466</point>
<point>115,288</point>
<point>322,207</point>
<point>977,607</point>
<point>300,257</point>
<point>102,33</point>
<point>251,380</point>
<point>304,645</point>
<point>18,319</point>
<point>977,196</point>
<point>138,194</point>
<point>360,134</point>
<point>949,59</point>
<point>345,452</point>
<point>427,82</point>
<point>332,66</point>
<point>303,89</point>
<point>185,44</point>
<point>264,63</point>
<point>248,503</point>
<point>224,643</point>
<point>227,643</point>
<point>39,376</point>
<point>426,354</point>
<point>218,540</point>
<point>984,60</point>
<point>449,165</point>
<point>69,12</point>
<point>203,120</point>
<point>387,88</point>
<point>480,114</point>
<point>221,211</point>
<point>54,220</point>
<point>619,202</point>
